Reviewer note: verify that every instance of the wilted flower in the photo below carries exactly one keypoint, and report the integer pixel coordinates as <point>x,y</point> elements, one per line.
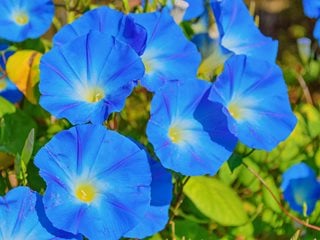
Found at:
<point>98,182</point>
<point>255,98</point>
<point>189,133</point>
<point>22,19</point>
<point>88,78</point>
<point>300,187</point>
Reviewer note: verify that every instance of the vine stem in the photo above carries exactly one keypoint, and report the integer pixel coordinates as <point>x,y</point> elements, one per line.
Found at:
<point>176,206</point>
<point>283,209</point>
<point>179,199</point>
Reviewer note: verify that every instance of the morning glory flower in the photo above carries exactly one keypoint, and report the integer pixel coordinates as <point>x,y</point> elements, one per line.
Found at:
<point>22,19</point>
<point>213,54</point>
<point>168,54</point>
<point>195,8</point>
<point>104,19</point>
<point>157,216</point>
<point>98,182</point>
<point>88,78</point>
<point>238,32</point>
<point>300,187</point>
<point>189,133</point>
<point>256,102</point>
<point>8,90</point>
<point>311,8</point>
<point>21,217</point>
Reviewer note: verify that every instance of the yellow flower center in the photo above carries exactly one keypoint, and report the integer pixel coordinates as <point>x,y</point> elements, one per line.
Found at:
<point>3,84</point>
<point>21,18</point>
<point>235,110</point>
<point>147,66</point>
<point>86,192</point>
<point>175,134</point>
<point>94,95</point>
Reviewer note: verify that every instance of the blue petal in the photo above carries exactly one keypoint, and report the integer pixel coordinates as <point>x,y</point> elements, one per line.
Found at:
<point>94,64</point>
<point>232,15</point>
<point>311,8</point>
<point>112,164</point>
<point>256,100</point>
<point>39,12</point>
<point>19,216</point>
<point>104,19</point>
<point>157,216</point>
<point>168,54</point>
<point>203,141</point>
<point>195,9</point>
<point>300,186</point>
<point>316,31</point>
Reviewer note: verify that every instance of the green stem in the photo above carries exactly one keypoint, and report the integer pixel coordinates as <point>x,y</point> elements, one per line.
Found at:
<point>283,209</point>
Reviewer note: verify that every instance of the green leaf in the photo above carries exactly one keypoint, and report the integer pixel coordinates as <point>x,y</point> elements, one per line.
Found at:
<point>21,162</point>
<point>189,230</point>
<point>28,148</point>
<point>267,197</point>
<point>6,107</point>
<point>216,201</point>
<point>234,161</point>
<point>14,130</point>
<point>296,236</point>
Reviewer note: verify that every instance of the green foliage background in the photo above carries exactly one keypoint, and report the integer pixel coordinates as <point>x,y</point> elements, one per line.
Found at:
<point>234,204</point>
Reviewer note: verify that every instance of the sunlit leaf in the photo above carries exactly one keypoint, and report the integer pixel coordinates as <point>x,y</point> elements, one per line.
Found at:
<point>23,69</point>
<point>6,107</point>
<point>216,200</point>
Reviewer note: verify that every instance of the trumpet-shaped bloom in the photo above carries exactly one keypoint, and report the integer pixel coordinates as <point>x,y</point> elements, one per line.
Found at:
<point>311,8</point>
<point>8,90</point>
<point>21,19</point>
<point>88,78</point>
<point>188,132</point>
<point>105,19</point>
<point>157,216</point>
<point>213,54</point>
<point>256,102</point>
<point>301,188</point>
<point>98,182</point>
<point>232,15</point>
<point>168,54</point>
<point>21,217</point>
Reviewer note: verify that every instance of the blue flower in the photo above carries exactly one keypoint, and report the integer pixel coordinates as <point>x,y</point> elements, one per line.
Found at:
<point>8,90</point>
<point>22,19</point>
<point>20,216</point>
<point>156,217</point>
<point>311,8</point>
<point>213,54</point>
<point>232,15</point>
<point>88,78</point>
<point>195,9</point>
<point>168,54</point>
<point>255,98</point>
<point>98,182</point>
<point>189,133</point>
<point>105,19</point>
<point>301,188</point>
<point>316,31</point>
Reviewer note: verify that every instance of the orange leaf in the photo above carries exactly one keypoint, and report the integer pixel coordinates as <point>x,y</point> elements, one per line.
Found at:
<point>23,70</point>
